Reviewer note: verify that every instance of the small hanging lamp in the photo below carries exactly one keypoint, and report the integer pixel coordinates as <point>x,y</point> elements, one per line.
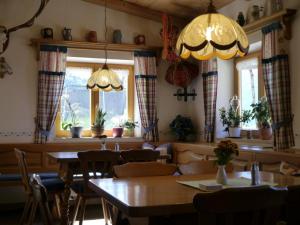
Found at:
<point>105,79</point>
<point>211,35</point>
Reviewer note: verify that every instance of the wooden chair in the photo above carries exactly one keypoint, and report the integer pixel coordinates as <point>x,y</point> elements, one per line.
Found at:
<point>144,169</point>
<point>56,186</point>
<point>94,164</point>
<point>236,206</point>
<point>292,208</point>
<point>40,196</point>
<point>140,155</point>
<point>201,167</point>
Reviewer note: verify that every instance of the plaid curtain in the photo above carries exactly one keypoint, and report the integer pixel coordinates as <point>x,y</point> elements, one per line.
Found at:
<point>209,71</point>
<point>52,66</point>
<point>277,84</point>
<point>145,81</point>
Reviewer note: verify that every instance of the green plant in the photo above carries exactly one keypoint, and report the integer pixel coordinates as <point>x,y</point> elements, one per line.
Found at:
<point>225,152</point>
<point>182,127</point>
<point>261,112</point>
<point>74,119</point>
<point>129,125</point>
<point>233,118</point>
<point>100,118</point>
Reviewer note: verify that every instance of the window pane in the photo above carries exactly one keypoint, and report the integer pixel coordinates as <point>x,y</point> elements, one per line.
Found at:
<point>249,92</point>
<point>77,95</point>
<point>115,103</point>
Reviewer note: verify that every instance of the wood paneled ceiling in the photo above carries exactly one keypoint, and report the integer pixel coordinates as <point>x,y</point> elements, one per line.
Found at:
<point>180,8</point>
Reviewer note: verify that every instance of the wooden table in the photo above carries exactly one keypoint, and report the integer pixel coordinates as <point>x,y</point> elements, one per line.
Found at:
<point>159,196</point>
<point>69,163</point>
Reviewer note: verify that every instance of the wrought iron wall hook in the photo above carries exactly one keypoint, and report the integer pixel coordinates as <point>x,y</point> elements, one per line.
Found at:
<point>183,93</point>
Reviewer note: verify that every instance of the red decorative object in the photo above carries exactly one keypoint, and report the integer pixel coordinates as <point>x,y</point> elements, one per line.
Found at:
<point>181,73</point>
<point>169,34</point>
<point>140,40</point>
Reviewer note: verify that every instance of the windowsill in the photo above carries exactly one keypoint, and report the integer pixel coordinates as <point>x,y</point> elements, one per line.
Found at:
<point>98,140</point>
<point>250,142</point>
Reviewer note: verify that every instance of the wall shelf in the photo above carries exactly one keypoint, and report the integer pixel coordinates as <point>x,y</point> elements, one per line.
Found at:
<point>284,16</point>
<point>93,45</point>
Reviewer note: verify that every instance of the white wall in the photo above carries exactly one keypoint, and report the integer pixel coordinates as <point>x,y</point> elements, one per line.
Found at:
<point>18,93</point>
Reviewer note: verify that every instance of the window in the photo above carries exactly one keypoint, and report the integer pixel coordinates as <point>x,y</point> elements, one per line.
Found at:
<point>76,98</point>
<point>249,83</point>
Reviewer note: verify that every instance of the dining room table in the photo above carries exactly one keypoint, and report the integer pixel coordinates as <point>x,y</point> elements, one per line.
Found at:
<point>69,168</point>
<point>159,196</point>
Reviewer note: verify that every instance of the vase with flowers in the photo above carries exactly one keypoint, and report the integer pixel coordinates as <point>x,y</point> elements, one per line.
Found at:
<point>225,151</point>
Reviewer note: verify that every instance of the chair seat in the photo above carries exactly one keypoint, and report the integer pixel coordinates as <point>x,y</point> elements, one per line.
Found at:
<point>53,184</point>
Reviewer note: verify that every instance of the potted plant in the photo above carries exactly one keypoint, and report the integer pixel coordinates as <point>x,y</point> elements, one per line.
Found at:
<point>224,153</point>
<point>183,128</point>
<point>97,128</point>
<point>129,127</point>
<point>232,120</point>
<point>73,125</point>
<point>261,112</point>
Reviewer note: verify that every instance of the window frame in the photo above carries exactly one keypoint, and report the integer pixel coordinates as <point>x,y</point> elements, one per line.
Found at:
<point>237,83</point>
<point>94,98</point>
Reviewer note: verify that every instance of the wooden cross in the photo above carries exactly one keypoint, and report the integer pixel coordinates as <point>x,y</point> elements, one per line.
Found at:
<point>185,94</point>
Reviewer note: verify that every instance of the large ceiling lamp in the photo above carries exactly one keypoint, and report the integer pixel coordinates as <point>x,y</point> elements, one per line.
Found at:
<point>105,79</point>
<point>211,35</point>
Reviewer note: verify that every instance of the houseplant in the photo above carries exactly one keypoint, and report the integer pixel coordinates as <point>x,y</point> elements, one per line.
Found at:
<point>233,119</point>
<point>261,112</point>
<point>224,153</point>
<point>129,127</point>
<point>73,125</point>
<point>97,128</point>
<point>182,127</point>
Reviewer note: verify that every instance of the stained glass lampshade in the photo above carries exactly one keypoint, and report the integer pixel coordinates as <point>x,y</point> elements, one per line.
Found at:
<point>212,35</point>
<point>104,79</point>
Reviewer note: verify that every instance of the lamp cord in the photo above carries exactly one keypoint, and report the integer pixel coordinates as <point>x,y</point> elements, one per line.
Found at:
<point>105,24</point>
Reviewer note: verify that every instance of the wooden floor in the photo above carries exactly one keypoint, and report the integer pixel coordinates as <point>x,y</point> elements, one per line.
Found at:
<point>93,216</point>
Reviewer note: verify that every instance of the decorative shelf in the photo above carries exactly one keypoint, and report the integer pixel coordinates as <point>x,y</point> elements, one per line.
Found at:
<point>93,45</point>
<point>285,16</point>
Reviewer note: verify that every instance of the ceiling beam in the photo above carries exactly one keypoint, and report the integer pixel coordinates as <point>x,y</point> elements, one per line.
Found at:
<point>136,10</point>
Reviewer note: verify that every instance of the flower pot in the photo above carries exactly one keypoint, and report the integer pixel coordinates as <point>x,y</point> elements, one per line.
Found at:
<point>117,131</point>
<point>265,133</point>
<point>129,132</point>
<point>234,132</point>
<point>76,132</point>
<point>97,131</point>
<point>221,177</point>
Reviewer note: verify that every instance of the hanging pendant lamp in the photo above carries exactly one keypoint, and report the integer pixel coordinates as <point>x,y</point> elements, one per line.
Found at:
<point>105,79</point>
<point>211,35</point>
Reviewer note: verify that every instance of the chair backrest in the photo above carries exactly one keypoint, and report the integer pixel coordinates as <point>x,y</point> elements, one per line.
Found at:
<point>144,169</point>
<point>236,206</point>
<point>41,198</point>
<point>140,155</point>
<point>20,155</point>
<point>293,206</point>
<point>201,167</point>
<point>95,164</point>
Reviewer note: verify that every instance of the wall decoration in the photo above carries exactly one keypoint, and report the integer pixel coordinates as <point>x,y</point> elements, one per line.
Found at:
<point>4,41</point>
<point>4,68</point>
<point>92,36</point>
<point>253,13</point>
<point>241,19</point>
<point>140,39</point>
<point>47,33</point>
<point>67,34</point>
<point>183,93</point>
<point>117,37</point>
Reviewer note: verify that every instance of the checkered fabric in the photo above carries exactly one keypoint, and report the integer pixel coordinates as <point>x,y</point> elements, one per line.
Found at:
<point>209,71</point>
<point>145,81</point>
<point>277,84</point>
<point>52,66</point>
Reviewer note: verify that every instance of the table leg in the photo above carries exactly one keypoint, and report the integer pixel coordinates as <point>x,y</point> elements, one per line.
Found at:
<point>68,175</point>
